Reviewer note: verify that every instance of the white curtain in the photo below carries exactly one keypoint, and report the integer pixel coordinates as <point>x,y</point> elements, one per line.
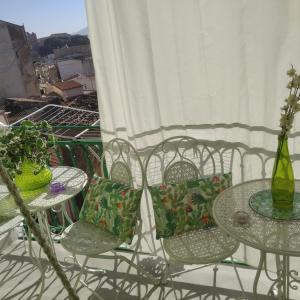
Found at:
<point>166,67</point>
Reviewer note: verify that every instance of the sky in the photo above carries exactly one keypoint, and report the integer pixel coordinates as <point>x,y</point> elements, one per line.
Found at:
<point>45,16</point>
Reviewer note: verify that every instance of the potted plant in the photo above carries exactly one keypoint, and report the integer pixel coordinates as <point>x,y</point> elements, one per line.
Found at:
<point>24,151</point>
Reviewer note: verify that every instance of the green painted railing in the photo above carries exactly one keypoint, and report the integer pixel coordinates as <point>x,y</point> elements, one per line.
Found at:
<point>80,153</point>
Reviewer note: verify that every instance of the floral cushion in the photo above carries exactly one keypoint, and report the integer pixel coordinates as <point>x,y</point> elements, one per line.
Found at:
<point>112,206</point>
<point>186,206</point>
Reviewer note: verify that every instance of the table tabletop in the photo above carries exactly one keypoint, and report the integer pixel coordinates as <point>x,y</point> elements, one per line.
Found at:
<point>74,181</point>
<point>263,233</point>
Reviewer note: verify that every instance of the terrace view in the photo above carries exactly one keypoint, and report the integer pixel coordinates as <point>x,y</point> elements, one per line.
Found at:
<point>149,150</point>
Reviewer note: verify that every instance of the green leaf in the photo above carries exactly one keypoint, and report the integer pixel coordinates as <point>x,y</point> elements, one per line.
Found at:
<point>27,141</point>
<point>27,123</point>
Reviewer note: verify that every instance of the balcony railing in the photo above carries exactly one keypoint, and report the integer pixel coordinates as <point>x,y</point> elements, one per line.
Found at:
<point>83,153</point>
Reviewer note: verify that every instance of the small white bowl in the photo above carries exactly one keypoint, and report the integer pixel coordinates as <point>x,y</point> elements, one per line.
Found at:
<point>241,217</point>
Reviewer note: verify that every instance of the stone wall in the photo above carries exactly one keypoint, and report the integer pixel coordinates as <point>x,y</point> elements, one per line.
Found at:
<point>17,76</point>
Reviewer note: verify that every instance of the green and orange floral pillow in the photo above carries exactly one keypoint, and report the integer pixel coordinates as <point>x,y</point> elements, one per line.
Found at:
<point>112,206</point>
<point>186,206</point>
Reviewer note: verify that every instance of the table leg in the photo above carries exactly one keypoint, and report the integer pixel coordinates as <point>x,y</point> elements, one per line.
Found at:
<point>36,260</point>
<point>285,279</point>
<point>37,257</point>
<point>280,285</point>
<point>282,278</point>
<point>293,278</point>
<point>287,276</point>
<point>45,228</point>
<point>262,261</point>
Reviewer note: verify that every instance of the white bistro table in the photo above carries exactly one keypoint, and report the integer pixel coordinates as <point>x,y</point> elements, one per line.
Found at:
<point>74,180</point>
<point>281,238</point>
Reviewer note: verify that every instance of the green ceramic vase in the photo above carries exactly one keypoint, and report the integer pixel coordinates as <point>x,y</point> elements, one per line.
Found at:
<point>283,185</point>
<point>28,180</point>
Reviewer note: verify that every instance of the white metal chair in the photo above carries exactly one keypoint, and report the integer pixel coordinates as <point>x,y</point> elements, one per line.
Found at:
<point>182,159</point>
<point>121,164</point>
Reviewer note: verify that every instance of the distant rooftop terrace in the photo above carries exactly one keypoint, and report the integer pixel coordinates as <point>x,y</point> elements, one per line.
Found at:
<point>68,122</point>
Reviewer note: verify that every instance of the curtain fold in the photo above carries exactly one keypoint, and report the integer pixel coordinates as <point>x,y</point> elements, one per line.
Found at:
<point>166,68</point>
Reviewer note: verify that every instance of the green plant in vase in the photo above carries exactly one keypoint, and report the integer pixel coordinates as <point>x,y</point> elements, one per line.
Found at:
<point>24,151</point>
<point>283,185</point>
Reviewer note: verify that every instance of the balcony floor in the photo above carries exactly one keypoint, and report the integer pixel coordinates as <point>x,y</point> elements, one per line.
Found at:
<point>18,280</point>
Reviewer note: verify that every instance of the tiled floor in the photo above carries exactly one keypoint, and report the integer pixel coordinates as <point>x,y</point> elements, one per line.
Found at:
<point>19,279</point>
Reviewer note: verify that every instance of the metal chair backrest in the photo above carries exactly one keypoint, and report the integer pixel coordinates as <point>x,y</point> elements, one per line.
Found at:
<point>184,158</point>
<point>121,163</point>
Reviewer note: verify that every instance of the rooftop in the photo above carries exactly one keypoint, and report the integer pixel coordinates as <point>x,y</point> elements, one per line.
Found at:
<point>67,85</point>
<point>79,75</point>
<point>26,100</point>
<point>74,76</point>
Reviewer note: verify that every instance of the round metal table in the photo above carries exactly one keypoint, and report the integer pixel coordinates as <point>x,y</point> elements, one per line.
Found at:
<point>265,234</point>
<point>74,181</point>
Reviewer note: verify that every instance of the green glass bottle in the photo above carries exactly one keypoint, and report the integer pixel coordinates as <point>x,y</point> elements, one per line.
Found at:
<point>283,185</point>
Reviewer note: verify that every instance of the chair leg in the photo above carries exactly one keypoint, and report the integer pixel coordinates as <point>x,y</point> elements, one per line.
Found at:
<point>126,275</point>
<point>238,277</point>
<point>81,272</point>
<point>166,273</point>
<point>172,282</point>
<point>215,269</point>
<point>93,292</point>
<point>132,260</point>
<point>82,282</point>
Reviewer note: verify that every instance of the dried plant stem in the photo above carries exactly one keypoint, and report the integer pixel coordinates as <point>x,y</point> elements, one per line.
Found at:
<point>36,231</point>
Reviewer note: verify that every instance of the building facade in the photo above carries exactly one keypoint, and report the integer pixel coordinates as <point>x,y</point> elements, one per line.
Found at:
<point>17,75</point>
<point>73,60</point>
<point>71,67</point>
